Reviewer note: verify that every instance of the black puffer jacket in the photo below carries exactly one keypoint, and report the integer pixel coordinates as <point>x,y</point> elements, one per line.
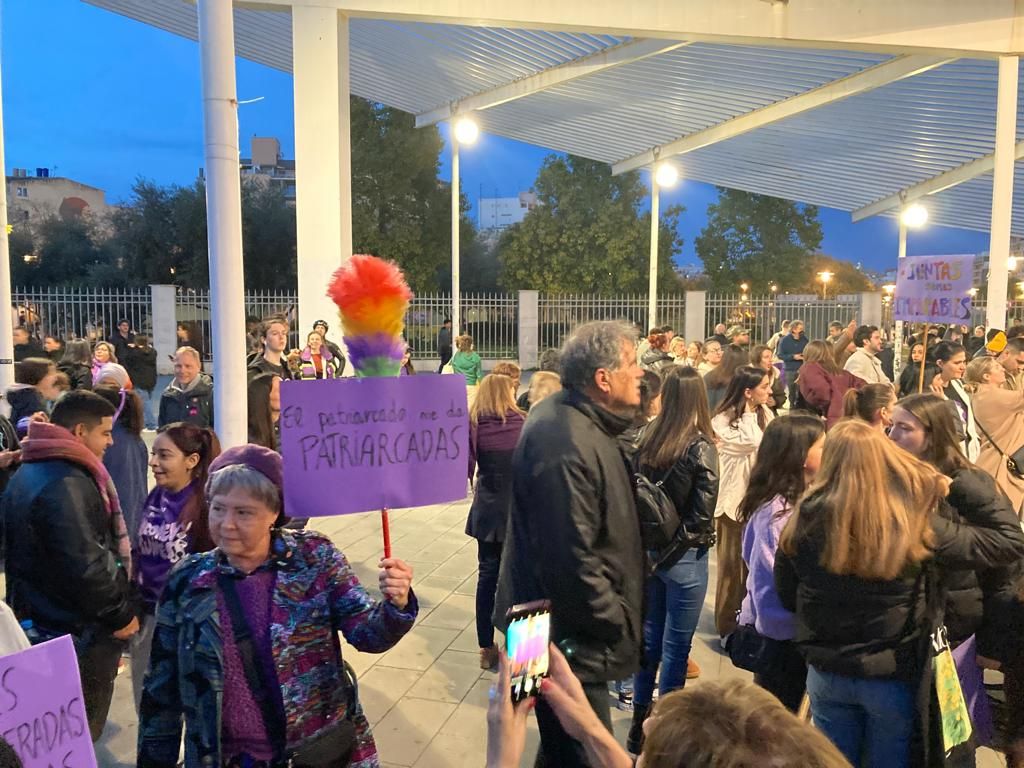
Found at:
<point>974,499</point>
<point>862,628</point>
<point>78,374</point>
<point>573,536</point>
<point>140,362</point>
<point>656,360</point>
<point>692,484</point>
<point>25,400</point>
<point>61,557</point>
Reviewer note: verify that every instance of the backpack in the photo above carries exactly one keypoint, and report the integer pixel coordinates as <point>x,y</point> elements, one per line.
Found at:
<point>659,519</point>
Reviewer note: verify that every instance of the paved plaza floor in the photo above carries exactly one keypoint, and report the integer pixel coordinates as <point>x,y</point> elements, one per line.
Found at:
<point>427,698</point>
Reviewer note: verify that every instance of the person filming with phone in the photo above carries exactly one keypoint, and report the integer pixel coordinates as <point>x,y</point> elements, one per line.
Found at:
<point>573,536</point>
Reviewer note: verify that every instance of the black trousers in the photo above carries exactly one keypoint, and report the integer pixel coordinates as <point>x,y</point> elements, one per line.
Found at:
<point>557,748</point>
<point>446,357</point>
<point>488,557</point>
<point>98,656</point>
<point>787,680</point>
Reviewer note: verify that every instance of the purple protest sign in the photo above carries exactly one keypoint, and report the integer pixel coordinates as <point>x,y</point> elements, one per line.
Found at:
<point>357,445</point>
<point>934,289</point>
<point>42,712</point>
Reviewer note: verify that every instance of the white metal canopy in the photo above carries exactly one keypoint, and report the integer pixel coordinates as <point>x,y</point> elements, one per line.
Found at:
<point>844,151</point>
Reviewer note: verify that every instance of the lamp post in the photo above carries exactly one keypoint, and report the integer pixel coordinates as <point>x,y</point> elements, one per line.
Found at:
<point>825,277</point>
<point>664,175</point>
<point>464,131</point>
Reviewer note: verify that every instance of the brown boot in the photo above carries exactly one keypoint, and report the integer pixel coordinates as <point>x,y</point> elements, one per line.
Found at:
<point>692,670</point>
<point>489,657</point>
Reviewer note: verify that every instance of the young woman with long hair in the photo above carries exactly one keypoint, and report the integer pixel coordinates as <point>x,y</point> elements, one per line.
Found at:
<point>76,363</point>
<point>855,565</point>
<point>822,382</point>
<point>910,377</point>
<point>872,403</point>
<point>174,524</point>
<point>494,426</point>
<point>717,381</point>
<point>951,360</point>
<point>761,356</point>
<point>656,357</point>
<point>126,460</point>
<point>739,424</point>
<point>694,354</point>
<point>999,415</point>
<point>678,450</point>
<point>787,460</point>
<point>102,354</point>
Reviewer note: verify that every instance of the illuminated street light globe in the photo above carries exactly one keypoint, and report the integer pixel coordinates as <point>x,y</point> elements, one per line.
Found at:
<point>914,216</point>
<point>466,130</point>
<point>666,175</point>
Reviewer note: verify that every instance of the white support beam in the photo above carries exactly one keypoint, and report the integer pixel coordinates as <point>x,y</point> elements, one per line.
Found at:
<point>1002,192</point>
<point>985,28</point>
<point>888,72</point>
<point>627,53</point>
<point>945,180</point>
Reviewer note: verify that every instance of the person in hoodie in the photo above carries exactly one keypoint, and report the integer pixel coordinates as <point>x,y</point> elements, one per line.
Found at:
<point>140,362</point>
<point>173,522</point>
<point>35,386</point>
<point>494,426</point>
<point>189,397</point>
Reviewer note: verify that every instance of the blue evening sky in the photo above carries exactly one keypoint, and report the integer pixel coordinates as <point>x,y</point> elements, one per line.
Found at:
<point>104,100</point>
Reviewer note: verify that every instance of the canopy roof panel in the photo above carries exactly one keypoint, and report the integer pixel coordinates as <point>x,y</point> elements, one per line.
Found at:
<point>846,153</point>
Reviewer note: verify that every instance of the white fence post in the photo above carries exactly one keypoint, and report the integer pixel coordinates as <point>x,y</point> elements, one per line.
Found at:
<point>870,309</point>
<point>165,325</point>
<point>529,329</point>
<point>695,315</point>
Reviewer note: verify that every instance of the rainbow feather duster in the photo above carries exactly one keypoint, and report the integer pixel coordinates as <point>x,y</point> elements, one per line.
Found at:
<point>372,297</point>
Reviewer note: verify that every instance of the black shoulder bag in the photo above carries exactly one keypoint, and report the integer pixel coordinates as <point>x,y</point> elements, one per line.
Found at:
<point>1014,461</point>
<point>659,519</point>
<point>332,747</point>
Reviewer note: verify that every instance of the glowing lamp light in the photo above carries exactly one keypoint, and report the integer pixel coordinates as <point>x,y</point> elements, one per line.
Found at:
<point>666,175</point>
<point>914,216</point>
<point>889,289</point>
<point>466,130</point>
<point>1011,263</point>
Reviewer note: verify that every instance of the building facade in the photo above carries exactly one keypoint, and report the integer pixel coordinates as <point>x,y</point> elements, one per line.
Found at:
<point>31,198</point>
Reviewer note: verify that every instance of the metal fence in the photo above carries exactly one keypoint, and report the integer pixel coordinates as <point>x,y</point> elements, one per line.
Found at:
<point>81,313</point>
<point>762,316</point>
<point>192,311</point>
<point>561,313</point>
<point>492,319</point>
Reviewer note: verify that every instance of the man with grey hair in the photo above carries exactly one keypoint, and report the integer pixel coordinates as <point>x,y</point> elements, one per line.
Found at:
<point>189,397</point>
<point>573,534</point>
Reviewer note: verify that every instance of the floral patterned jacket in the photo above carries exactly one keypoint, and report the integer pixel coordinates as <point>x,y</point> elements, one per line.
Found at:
<point>316,594</point>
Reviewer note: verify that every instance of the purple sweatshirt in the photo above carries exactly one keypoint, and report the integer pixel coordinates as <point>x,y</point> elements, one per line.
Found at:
<point>162,541</point>
<point>761,607</point>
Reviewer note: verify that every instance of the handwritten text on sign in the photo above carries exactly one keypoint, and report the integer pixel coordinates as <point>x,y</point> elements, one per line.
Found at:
<point>42,713</point>
<point>357,445</point>
<point>934,289</point>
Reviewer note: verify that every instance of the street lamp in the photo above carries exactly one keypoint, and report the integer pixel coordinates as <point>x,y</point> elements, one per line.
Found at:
<point>1011,263</point>
<point>773,288</point>
<point>466,130</point>
<point>666,175</point>
<point>914,216</point>
<point>889,289</point>
<point>662,175</point>
<point>825,277</point>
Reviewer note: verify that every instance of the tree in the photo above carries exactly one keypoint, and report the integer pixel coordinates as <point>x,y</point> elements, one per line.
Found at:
<point>268,238</point>
<point>63,252</point>
<point>400,210</point>
<point>587,233</point>
<point>758,240</point>
<point>844,277</point>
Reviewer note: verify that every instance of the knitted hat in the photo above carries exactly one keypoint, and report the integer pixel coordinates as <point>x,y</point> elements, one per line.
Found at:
<point>116,373</point>
<point>263,460</point>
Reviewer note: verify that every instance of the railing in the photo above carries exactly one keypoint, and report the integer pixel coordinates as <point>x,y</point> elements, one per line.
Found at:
<point>561,313</point>
<point>762,316</point>
<point>1014,313</point>
<point>82,313</point>
<point>492,319</point>
<point>192,311</point>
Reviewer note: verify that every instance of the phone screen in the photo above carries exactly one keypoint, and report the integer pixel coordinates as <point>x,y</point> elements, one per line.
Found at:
<point>528,635</point>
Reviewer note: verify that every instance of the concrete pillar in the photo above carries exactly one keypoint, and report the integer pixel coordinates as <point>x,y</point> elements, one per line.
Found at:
<point>456,213</point>
<point>163,305</point>
<point>1002,192</point>
<point>897,362</point>
<point>652,277</point>
<point>224,219</point>
<point>317,66</point>
<point>529,329</point>
<point>695,316</point>
<point>6,318</point>
<point>871,309</point>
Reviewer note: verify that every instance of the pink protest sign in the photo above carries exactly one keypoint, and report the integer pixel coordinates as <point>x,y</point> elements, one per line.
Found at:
<point>934,289</point>
<point>357,445</point>
<point>42,713</point>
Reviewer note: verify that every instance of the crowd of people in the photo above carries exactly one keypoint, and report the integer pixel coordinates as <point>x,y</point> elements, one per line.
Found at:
<point>863,530</point>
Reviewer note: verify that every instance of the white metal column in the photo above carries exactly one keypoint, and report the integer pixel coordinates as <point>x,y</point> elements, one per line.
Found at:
<point>317,75</point>
<point>898,341</point>
<point>224,218</point>
<point>1002,192</point>
<point>6,315</point>
<point>652,296</point>
<point>456,308</point>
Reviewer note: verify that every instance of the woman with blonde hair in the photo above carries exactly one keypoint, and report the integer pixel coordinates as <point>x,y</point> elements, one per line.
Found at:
<point>872,403</point>
<point>677,348</point>
<point>542,384</point>
<point>102,354</point>
<point>466,361</point>
<point>494,427</point>
<point>694,354</point>
<point>999,416</point>
<point>862,582</point>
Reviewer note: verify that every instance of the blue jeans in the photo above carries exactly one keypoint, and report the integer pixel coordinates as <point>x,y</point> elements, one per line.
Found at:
<point>871,721</point>
<point>675,597</point>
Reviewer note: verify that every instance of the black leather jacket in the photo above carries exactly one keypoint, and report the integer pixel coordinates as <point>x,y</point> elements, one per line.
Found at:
<point>61,556</point>
<point>692,484</point>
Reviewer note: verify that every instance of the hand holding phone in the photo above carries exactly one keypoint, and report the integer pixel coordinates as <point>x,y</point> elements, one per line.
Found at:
<point>527,638</point>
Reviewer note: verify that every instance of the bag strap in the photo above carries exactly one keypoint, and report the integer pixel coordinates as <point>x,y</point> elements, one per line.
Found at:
<point>986,434</point>
<point>255,673</point>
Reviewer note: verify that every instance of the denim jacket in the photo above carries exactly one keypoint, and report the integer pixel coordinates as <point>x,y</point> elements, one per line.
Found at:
<point>316,594</point>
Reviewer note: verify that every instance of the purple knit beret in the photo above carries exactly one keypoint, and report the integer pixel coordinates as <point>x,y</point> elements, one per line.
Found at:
<point>265,461</point>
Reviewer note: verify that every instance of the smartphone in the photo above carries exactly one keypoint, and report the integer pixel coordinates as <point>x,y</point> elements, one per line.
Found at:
<point>527,638</point>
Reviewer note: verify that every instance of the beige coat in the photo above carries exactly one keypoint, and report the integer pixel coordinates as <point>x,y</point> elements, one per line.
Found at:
<point>1000,412</point>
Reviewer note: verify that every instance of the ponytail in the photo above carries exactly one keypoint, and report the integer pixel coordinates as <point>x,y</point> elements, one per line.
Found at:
<point>865,403</point>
